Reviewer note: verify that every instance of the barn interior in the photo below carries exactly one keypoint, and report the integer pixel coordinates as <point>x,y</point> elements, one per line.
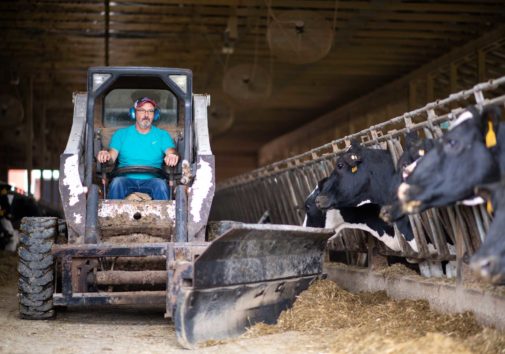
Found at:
<point>284,76</point>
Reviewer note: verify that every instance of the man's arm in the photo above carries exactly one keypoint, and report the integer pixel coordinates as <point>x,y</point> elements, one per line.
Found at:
<point>171,157</point>
<point>107,155</point>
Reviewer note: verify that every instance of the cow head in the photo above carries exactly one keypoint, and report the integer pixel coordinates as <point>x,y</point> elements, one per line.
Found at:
<point>356,179</point>
<point>489,261</point>
<point>463,158</point>
<point>415,148</point>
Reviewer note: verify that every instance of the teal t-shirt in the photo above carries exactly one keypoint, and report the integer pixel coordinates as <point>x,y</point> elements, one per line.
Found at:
<point>136,149</point>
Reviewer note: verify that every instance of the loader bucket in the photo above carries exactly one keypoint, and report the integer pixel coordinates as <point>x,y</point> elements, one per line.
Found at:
<point>251,273</point>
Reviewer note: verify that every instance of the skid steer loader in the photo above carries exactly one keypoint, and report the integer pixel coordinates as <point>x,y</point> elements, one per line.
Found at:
<point>158,252</point>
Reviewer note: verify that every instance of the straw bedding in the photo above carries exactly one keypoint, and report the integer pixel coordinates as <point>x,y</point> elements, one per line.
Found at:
<point>342,322</point>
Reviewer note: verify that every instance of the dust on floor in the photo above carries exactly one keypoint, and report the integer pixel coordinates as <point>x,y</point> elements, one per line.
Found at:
<point>324,319</point>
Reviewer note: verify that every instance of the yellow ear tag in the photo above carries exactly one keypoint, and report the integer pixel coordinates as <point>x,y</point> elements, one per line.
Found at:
<point>490,135</point>
<point>354,169</point>
<point>489,207</point>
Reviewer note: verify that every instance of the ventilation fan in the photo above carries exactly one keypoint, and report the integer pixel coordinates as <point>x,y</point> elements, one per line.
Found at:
<point>299,37</point>
<point>11,110</point>
<point>221,116</point>
<point>247,83</point>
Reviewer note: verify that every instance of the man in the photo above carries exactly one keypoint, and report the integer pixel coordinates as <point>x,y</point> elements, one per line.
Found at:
<point>141,144</point>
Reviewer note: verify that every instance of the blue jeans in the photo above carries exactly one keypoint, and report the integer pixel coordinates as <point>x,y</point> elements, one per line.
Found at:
<point>121,187</point>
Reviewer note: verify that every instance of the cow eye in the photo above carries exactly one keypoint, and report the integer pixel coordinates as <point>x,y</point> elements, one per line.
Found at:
<point>452,143</point>
<point>340,165</point>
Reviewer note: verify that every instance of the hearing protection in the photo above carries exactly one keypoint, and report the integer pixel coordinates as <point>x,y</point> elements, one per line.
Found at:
<point>141,100</point>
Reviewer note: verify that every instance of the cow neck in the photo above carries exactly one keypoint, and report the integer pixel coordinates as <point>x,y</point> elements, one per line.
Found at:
<point>382,183</point>
<point>498,152</point>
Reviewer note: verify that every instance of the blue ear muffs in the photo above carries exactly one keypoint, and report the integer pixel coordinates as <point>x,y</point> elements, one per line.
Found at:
<point>156,114</point>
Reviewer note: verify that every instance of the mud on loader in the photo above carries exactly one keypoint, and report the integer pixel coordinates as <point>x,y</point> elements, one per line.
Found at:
<point>121,252</point>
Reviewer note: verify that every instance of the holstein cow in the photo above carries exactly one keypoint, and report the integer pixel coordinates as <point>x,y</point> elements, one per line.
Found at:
<point>13,207</point>
<point>365,217</point>
<point>415,148</point>
<point>469,154</point>
<point>365,176</point>
<point>489,260</point>
<point>9,237</point>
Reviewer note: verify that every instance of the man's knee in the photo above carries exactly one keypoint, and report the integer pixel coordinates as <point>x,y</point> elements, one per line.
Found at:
<point>158,183</point>
<point>117,182</point>
<point>159,189</point>
<point>117,188</point>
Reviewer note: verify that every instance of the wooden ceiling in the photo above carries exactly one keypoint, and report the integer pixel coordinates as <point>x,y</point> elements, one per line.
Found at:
<point>52,43</point>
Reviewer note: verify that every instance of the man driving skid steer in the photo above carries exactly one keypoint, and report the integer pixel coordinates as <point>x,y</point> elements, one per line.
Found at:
<point>141,144</point>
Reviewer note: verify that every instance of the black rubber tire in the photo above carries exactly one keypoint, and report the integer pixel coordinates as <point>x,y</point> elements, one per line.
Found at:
<point>36,268</point>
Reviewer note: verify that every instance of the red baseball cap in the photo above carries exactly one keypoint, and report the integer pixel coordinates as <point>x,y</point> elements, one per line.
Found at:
<point>141,101</point>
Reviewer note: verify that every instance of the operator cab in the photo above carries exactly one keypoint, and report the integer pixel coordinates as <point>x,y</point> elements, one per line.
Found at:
<point>112,112</point>
<point>112,92</point>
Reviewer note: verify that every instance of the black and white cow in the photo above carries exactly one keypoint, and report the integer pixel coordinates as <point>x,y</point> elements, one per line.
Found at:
<point>469,154</point>
<point>489,260</point>
<point>365,176</point>
<point>13,207</point>
<point>9,237</point>
<point>364,217</point>
<point>415,149</point>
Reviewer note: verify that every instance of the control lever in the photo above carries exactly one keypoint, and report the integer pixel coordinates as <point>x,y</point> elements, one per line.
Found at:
<point>171,179</point>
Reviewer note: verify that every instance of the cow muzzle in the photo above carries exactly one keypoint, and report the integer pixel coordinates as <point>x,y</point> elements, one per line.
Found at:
<point>323,202</point>
<point>489,269</point>
<point>408,204</point>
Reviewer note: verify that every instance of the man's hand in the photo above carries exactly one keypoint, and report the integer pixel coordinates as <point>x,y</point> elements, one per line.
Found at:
<point>103,156</point>
<point>106,156</point>
<point>171,159</point>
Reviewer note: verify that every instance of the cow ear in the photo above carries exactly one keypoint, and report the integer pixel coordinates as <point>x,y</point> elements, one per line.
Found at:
<point>411,138</point>
<point>352,156</point>
<point>490,123</point>
<point>353,159</point>
<point>355,143</point>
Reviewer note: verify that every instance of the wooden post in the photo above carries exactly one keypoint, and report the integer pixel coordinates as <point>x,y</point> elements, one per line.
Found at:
<point>375,260</point>
<point>42,162</point>
<point>29,131</point>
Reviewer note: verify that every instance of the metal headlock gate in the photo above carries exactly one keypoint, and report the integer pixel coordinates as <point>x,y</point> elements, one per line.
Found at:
<point>282,187</point>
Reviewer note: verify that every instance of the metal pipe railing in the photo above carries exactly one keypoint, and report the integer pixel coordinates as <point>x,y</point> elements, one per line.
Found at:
<point>282,187</point>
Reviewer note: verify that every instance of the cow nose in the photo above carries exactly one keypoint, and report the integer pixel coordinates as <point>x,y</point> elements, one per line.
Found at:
<point>320,201</point>
<point>485,267</point>
<point>385,213</point>
<point>403,191</point>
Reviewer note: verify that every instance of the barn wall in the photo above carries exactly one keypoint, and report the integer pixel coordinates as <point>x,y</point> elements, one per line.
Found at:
<point>463,67</point>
